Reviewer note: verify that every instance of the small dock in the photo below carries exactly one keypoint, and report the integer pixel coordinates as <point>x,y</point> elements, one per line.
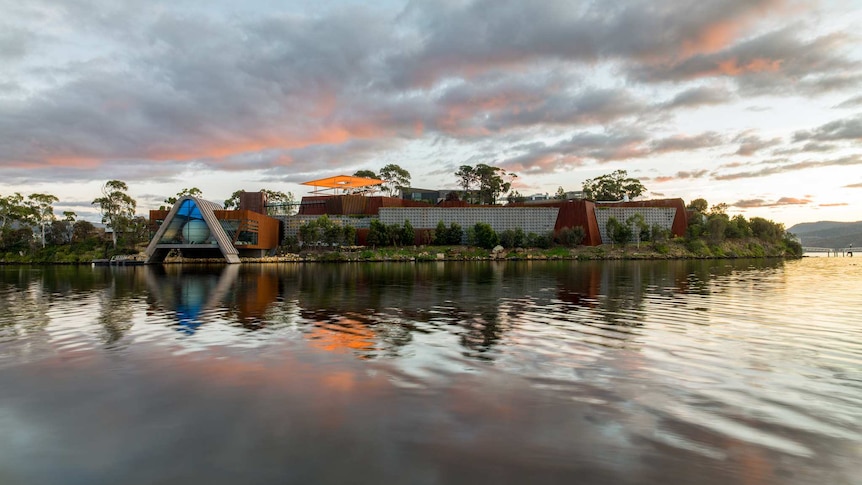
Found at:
<point>119,261</point>
<point>842,252</point>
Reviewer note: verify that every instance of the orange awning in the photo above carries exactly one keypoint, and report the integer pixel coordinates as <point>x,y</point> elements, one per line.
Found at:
<point>344,182</point>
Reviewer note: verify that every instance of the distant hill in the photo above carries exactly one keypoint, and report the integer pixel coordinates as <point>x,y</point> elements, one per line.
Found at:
<point>829,234</point>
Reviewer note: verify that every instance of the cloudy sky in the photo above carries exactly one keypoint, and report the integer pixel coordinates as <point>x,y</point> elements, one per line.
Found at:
<point>755,103</point>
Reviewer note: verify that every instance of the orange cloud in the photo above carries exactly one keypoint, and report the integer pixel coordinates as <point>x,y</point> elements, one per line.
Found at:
<point>732,67</point>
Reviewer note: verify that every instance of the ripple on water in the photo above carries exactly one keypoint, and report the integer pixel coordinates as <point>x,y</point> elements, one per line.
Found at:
<point>706,359</point>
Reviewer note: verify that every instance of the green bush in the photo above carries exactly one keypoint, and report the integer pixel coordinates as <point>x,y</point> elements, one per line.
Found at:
<point>512,238</point>
<point>377,234</point>
<point>483,235</point>
<point>541,241</point>
<point>571,236</point>
<point>660,247</point>
<point>698,247</point>
<point>618,232</point>
<point>408,235</point>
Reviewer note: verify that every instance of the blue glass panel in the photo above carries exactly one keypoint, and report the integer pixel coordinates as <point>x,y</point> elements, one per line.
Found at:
<point>190,209</point>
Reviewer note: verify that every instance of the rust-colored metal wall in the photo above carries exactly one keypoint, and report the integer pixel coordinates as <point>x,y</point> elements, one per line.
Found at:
<point>680,220</point>
<point>253,201</point>
<point>267,227</point>
<point>572,212</point>
<point>156,218</point>
<point>579,213</point>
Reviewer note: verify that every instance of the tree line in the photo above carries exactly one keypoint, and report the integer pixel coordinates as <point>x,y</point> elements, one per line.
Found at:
<point>29,225</point>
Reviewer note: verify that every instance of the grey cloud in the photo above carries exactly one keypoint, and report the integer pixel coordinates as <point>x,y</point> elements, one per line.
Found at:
<point>750,144</point>
<point>291,92</point>
<point>773,61</point>
<point>622,144</point>
<point>464,36</point>
<point>752,203</point>
<point>700,96</point>
<point>790,167</point>
<point>810,147</point>
<point>849,129</point>
<point>127,170</point>
<point>15,43</point>
<point>684,143</point>
<point>851,103</point>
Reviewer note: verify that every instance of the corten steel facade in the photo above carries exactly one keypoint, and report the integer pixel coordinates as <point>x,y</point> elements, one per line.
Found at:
<point>349,209</point>
<point>199,228</point>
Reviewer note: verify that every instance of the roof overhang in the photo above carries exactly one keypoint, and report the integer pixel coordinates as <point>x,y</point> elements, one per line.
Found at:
<point>343,182</point>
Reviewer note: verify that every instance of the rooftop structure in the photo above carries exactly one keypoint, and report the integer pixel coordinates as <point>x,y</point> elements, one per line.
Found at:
<point>347,183</point>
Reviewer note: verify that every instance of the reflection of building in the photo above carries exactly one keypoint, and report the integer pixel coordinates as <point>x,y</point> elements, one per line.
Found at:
<point>202,229</point>
<point>187,295</point>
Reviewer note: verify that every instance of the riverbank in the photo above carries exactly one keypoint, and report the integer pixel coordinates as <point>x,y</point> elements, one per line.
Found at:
<point>674,249</point>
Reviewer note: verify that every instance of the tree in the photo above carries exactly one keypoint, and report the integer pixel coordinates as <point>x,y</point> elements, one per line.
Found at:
<point>698,205</point>
<point>766,230</point>
<point>613,186</point>
<point>376,234</point>
<point>491,182</point>
<point>232,202</point>
<point>41,209</point>
<point>192,192</point>
<point>369,174</point>
<point>515,197</point>
<point>445,236</point>
<point>718,209</point>
<point>638,226</point>
<point>467,179</point>
<point>12,208</point>
<point>279,203</point>
<point>408,234</point>
<point>618,233</point>
<point>69,218</point>
<point>117,207</point>
<point>394,178</point>
<point>716,227</point>
<point>560,195</point>
<point>83,232</point>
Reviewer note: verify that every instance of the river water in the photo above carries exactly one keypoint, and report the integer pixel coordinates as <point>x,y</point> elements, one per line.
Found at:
<point>706,372</point>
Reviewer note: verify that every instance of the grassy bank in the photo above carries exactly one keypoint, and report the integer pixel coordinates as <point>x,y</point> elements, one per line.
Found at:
<point>675,249</point>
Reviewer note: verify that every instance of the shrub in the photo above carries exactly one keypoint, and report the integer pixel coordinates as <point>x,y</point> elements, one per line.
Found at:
<point>792,246</point>
<point>512,238</point>
<point>441,234</point>
<point>377,234</point>
<point>660,247</point>
<point>571,236</point>
<point>408,235</point>
<point>483,235</point>
<point>658,233</point>
<point>541,241</point>
<point>716,227</point>
<point>454,234</point>
<point>766,230</point>
<point>698,247</point>
<point>618,233</point>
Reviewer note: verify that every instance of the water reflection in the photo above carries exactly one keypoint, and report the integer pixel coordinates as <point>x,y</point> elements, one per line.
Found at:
<point>371,309</point>
<point>603,372</point>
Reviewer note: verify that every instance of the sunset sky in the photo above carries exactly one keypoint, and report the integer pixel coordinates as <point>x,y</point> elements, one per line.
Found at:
<point>754,103</point>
